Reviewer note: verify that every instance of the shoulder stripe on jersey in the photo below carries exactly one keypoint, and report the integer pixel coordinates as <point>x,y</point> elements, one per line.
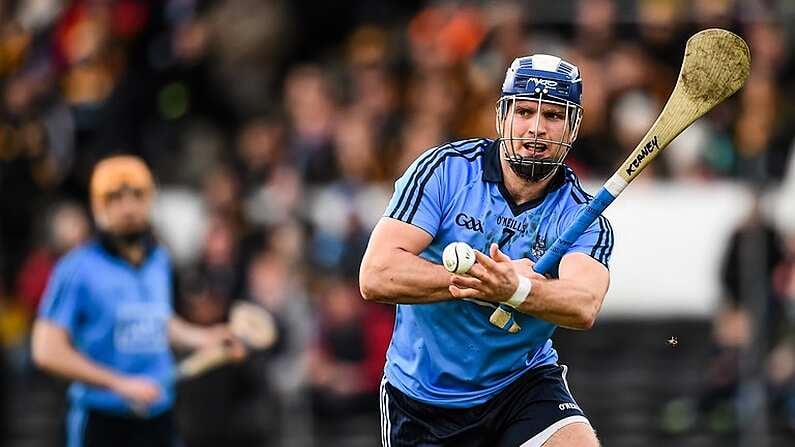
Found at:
<point>427,158</point>
<point>423,174</point>
<point>608,250</point>
<point>579,195</point>
<point>578,187</point>
<point>578,200</point>
<point>428,177</point>
<point>435,159</point>
<point>602,234</point>
<point>601,251</point>
<point>600,247</point>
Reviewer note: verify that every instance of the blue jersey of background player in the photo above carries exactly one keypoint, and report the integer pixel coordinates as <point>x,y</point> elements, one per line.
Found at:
<point>451,378</point>
<point>105,321</point>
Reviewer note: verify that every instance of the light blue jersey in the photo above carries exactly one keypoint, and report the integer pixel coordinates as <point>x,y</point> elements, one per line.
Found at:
<point>116,315</point>
<point>447,353</point>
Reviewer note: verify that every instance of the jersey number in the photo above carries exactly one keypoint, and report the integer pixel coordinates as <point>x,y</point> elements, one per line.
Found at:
<point>507,234</point>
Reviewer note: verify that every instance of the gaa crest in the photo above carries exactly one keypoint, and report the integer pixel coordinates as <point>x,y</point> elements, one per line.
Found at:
<point>539,247</point>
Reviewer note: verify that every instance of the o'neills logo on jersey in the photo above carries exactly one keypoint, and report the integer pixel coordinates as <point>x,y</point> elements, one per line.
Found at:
<point>470,223</point>
<point>511,223</point>
<point>647,150</point>
<point>568,406</point>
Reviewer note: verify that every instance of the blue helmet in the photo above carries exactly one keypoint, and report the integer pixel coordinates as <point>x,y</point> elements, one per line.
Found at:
<point>543,74</point>
<point>542,79</point>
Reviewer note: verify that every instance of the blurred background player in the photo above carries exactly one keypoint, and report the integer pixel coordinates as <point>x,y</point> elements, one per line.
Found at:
<point>106,319</point>
<point>451,378</point>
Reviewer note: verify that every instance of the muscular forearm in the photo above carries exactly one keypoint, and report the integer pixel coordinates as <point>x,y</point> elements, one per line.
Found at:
<point>563,302</point>
<point>401,277</point>
<point>62,359</point>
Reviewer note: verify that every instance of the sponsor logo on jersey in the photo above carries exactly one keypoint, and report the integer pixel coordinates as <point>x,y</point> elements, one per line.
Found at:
<point>470,223</point>
<point>513,224</point>
<point>647,150</point>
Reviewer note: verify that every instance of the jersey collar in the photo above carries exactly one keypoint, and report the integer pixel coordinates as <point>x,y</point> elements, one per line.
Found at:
<point>492,173</point>
<point>107,243</point>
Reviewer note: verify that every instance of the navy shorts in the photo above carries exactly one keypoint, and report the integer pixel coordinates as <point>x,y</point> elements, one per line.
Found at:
<point>526,413</point>
<point>91,428</point>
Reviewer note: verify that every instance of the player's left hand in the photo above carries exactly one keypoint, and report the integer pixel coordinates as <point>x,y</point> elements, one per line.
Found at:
<point>491,279</point>
<point>523,267</point>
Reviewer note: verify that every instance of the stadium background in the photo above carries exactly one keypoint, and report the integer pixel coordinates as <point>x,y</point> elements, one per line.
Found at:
<point>275,130</point>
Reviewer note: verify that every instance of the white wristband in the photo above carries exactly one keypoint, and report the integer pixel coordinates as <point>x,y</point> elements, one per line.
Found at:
<point>521,293</point>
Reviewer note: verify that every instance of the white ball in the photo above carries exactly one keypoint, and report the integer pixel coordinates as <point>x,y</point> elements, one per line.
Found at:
<point>458,257</point>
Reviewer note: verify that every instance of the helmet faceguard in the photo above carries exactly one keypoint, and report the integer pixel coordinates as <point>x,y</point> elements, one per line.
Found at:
<point>555,87</point>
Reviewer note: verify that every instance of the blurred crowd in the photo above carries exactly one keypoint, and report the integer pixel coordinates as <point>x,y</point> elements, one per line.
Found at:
<point>275,130</point>
<point>750,368</point>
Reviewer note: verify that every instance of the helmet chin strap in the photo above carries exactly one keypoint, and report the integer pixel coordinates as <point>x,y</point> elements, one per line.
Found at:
<point>534,170</point>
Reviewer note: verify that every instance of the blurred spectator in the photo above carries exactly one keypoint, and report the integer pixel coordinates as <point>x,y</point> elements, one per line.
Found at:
<point>219,262</point>
<point>505,37</point>
<point>419,133</point>
<point>660,29</point>
<point>30,168</point>
<point>180,220</point>
<point>4,400</point>
<point>781,363</point>
<point>310,107</point>
<point>278,200</point>
<point>67,227</point>
<point>259,152</point>
<point>347,359</point>
<point>343,212</point>
<point>595,27</point>
<point>201,300</point>
<point>274,281</point>
<point>757,121</point>
<point>444,35</point>
<point>634,113</point>
<point>201,147</point>
<point>713,13</point>
<point>221,191</point>
<point>229,405</point>
<point>754,242</point>
<point>756,233</point>
<point>770,47</point>
<point>245,53</point>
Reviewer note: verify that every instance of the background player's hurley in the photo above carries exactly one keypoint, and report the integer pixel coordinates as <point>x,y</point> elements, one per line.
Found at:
<point>250,323</point>
<point>715,66</point>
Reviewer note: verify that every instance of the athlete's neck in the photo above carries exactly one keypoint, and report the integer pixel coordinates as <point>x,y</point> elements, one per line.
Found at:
<point>131,249</point>
<point>134,253</point>
<point>520,189</point>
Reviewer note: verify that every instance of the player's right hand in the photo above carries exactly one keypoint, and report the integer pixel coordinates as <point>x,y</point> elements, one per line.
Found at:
<point>138,390</point>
